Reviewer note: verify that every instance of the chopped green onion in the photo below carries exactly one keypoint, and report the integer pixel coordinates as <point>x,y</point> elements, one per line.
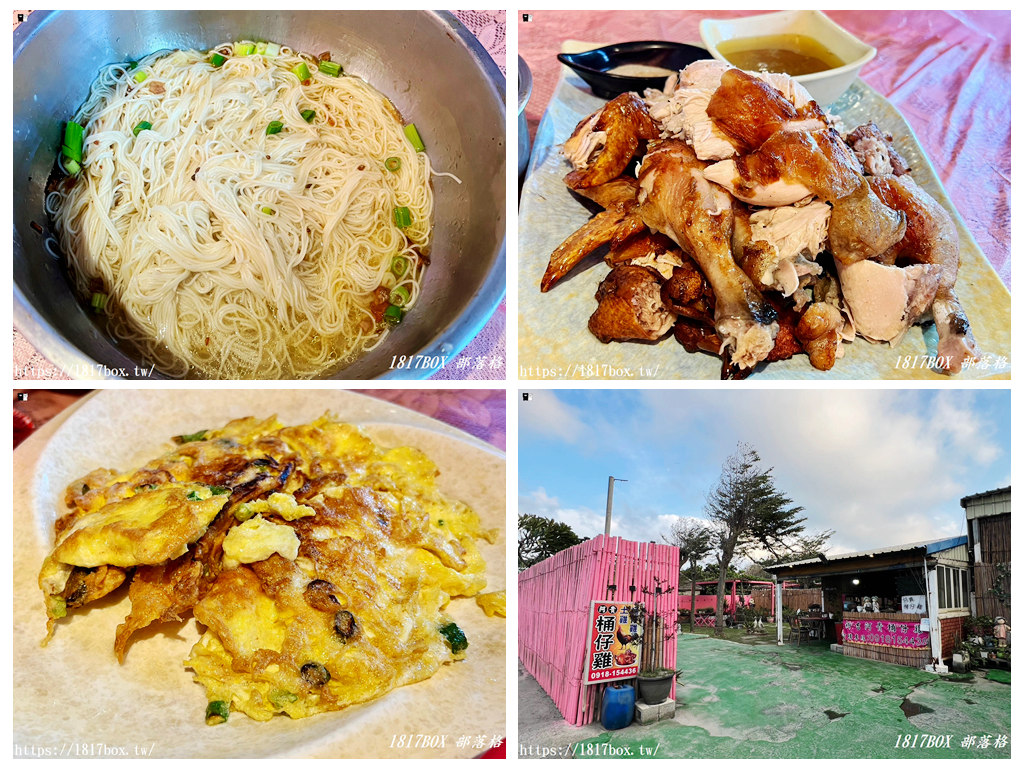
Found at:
<point>131,65</point>
<point>98,302</point>
<point>193,496</point>
<point>140,77</point>
<point>399,296</point>
<point>301,71</point>
<point>399,265</point>
<point>275,126</point>
<point>216,712</point>
<point>261,47</point>
<point>403,218</point>
<point>393,163</point>
<point>58,607</point>
<point>414,137</point>
<point>279,698</point>
<point>219,490</point>
<point>144,125</point>
<point>308,115</point>
<point>217,59</point>
<point>273,49</point>
<point>393,315</point>
<point>244,49</point>
<point>243,512</point>
<point>454,637</point>
<point>267,210</point>
<point>71,166</point>
<point>331,68</point>
<point>194,437</point>
<point>74,140</point>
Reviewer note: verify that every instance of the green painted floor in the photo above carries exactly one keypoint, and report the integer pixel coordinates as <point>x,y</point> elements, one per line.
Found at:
<point>767,701</point>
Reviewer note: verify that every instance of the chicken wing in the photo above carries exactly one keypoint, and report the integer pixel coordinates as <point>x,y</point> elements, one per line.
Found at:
<point>677,200</point>
<point>603,144</point>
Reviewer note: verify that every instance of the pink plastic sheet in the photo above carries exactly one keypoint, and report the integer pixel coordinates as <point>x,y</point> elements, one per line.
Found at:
<point>948,72</point>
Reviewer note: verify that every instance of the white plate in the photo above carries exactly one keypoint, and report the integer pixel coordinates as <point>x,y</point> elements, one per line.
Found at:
<point>73,695</point>
<point>554,342</point>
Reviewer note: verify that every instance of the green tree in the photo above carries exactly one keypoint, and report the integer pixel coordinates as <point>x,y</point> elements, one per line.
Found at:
<point>695,540</point>
<point>750,515</point>
<point>541,537</point>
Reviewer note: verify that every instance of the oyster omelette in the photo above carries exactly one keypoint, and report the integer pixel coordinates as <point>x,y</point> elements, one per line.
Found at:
<point>319,564</point>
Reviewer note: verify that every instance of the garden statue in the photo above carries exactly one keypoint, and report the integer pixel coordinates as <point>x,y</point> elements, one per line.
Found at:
<point>1001,630</point>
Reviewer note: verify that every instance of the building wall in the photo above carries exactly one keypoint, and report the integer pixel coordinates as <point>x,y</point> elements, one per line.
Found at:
<point>952,633</point>
<point>994,537</point>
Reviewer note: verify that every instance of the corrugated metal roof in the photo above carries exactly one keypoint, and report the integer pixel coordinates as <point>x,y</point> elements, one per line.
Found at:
<point>930,547</point>
<point>973,496</point>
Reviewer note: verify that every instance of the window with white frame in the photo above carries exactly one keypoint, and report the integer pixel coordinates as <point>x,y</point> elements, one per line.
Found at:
<point>953,589</point>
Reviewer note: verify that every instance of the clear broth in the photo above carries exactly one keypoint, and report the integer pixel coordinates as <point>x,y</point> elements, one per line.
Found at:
<point>790,53</point>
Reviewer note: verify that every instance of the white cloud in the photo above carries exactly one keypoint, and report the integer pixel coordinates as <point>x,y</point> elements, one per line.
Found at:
<point>545,414</point>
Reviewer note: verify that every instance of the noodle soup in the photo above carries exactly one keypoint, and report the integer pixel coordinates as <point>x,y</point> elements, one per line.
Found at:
<point>245,212</point>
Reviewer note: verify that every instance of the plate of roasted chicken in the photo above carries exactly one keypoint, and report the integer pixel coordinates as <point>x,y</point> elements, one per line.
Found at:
<point>726,225</point>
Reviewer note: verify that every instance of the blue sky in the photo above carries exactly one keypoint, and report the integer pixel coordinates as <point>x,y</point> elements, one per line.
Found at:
<point>877,466</point>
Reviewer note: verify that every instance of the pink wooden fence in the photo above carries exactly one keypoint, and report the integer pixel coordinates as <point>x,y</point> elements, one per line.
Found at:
<point>554,606</point>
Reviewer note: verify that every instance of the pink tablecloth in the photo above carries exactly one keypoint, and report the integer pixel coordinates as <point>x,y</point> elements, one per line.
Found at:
<point>948,72</point>
<point>483,357</point>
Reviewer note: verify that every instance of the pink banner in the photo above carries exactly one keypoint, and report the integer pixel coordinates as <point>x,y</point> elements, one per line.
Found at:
<point>898,634</point>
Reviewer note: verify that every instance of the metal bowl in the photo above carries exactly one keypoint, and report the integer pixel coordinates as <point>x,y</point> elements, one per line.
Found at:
<point>427,63</point>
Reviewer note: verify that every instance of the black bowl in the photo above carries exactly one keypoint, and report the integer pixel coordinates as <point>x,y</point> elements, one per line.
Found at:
<point>593,66</point>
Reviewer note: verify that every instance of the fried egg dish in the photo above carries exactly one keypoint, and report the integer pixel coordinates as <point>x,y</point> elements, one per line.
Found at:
<point>317,564</point>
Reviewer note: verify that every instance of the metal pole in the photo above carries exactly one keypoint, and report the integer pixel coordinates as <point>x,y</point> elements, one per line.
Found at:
<point>608,507</point>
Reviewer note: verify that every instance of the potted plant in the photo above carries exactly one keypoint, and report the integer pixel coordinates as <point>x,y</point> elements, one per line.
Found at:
<point>654,679</point>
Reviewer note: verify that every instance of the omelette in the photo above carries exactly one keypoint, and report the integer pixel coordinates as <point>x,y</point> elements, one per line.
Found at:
<point>317,564</point>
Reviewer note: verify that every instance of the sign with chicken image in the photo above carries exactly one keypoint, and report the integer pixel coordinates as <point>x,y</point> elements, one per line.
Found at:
<point>613,652</point>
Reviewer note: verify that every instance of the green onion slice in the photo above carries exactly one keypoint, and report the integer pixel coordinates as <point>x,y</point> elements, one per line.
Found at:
<point>399,296</point>
<point>414,137</point>
<point>331,68</point>
<point>261,47</point>
<point>403,218</point>
<point>267,210</point>
<point>144,125</point>
<point>74,140</point>
<point>244,49</point>
<point>216,712</point>
<point>194,437</point>
<point>393,315</point>
<point>393,163</point>
<point>71,166</point>
<point>273,50</point>
<point>98,302</point>
<point>219,490</point>
<point>140,77</point>
<point>193,496</point>
<point>274,126</point>
<point>399,266</point>
<point>217,59</point>
<point>302,72</point>
<point>308,115</point>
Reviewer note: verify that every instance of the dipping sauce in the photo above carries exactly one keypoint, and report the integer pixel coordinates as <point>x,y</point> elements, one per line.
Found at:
<point>789,53</point>
<point>639,70</point>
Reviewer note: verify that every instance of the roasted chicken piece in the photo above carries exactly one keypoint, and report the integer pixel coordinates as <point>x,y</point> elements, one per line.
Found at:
<point>750,111</point>
<point>819,332</point>
<point>629,306</point>
<point>777,247</point>
<point>608,227</point>
<point>931,239</point>
<point>677,200</point>
<point>603,144</point>
<point>875,151</point>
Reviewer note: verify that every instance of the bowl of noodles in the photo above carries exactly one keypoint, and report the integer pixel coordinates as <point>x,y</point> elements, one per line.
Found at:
<point>255,194</point>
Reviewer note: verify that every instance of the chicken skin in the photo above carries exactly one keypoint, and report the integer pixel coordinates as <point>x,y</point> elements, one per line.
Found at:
<point>603,144</point>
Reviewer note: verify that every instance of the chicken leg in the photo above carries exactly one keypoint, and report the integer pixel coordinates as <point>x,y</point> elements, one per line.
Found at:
<point>677,200</point>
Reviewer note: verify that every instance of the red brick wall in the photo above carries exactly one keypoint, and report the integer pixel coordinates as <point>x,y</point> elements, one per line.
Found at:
<point>952,633</point>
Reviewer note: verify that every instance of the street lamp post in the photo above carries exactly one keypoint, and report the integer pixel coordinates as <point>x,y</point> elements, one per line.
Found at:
<point>608,508</point>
